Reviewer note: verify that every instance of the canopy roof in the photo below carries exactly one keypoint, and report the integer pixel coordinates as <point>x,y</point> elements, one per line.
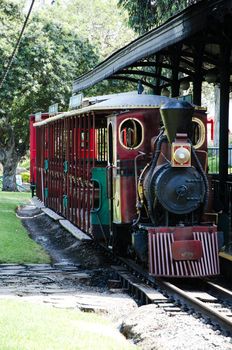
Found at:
<point>188,47</point>
<point>119,102</point>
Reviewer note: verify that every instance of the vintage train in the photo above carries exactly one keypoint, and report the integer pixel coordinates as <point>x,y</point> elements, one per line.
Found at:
<point>131,171</point>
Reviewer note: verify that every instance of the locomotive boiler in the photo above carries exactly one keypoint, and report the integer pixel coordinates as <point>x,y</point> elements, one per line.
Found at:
<point>131,171</point>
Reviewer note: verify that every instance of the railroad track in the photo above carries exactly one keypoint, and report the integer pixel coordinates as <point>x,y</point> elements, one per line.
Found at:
<point>205,298</point>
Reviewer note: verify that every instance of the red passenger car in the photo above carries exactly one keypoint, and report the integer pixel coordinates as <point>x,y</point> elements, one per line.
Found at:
<point>33,119</point>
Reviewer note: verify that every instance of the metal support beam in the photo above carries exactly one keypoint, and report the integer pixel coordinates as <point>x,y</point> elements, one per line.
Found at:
<point>224,115</point>
<point>198,77</point>
<point>175,60</point>
<point>158,70</point>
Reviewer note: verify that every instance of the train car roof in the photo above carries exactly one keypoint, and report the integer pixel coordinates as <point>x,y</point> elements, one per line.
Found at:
<point>117,103</point>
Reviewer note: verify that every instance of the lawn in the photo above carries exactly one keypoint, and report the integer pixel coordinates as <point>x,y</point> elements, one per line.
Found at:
<point>27,326</point>
<point>16,246</point>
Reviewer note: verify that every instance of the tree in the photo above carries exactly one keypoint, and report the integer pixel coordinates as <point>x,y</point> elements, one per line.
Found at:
<point>147,14</point>
<point>61,42</point>
<point>106,28</point>
<point>102,22</point>
<point>50,57</point>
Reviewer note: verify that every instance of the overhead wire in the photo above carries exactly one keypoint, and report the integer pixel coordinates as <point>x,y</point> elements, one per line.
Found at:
<point>11,59</point>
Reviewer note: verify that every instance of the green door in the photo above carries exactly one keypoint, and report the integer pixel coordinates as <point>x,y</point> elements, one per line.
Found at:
<point>100,215</point>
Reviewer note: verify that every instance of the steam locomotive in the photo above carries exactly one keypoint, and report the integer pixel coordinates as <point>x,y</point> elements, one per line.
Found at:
<point>131,171</point>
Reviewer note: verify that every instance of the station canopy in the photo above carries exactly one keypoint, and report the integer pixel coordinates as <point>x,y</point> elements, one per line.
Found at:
<point>193,46</point>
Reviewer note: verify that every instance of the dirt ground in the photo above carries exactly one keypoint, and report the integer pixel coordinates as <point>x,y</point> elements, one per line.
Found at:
<point>78,278</point>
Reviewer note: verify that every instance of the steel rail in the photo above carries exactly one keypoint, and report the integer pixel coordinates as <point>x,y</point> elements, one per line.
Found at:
<point>220,291</point>
<point>217,317</point>
<point>156,287</point>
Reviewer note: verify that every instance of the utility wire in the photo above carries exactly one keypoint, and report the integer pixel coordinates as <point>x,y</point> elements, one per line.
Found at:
<point>16,46</point>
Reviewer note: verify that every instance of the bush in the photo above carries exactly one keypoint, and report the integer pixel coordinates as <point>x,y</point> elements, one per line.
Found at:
<point>25,177</point>
<point>25,163</point>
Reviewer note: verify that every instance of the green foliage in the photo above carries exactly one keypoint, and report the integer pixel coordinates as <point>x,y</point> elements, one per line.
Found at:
<point>147,14</point>
<point>60,43</point>
<point>105,26</point>
<point>100,21</point>
<point>25,162</point>
<point>49,58</point>
<point>25,177</point>
<point>213,164</point>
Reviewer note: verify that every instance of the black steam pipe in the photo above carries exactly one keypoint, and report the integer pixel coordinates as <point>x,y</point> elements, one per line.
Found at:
<point>204,177</point>
<point>153,165</point>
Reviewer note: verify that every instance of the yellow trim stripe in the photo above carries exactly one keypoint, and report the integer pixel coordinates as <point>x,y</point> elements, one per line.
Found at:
<point>225,256</point>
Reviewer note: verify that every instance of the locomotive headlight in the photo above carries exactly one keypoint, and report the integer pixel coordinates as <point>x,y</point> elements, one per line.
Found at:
<point>181,155</point>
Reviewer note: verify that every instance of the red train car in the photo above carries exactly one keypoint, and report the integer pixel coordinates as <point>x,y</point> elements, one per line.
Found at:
<point>33,119</point>
<point>135,179</point>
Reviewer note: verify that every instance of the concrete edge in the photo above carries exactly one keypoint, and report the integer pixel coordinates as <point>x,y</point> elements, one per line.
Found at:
<point>52,214</point>
<point>37,202</point>
<point>75,231</point>
<point>66,224</point>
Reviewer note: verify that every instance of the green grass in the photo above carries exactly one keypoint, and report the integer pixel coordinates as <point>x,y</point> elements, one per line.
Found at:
<point>27,326</point>
<point>16,246</point>
<point>213,163</point>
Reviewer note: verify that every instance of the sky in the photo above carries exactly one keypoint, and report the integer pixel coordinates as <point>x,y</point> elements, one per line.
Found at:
<point>37,4</point>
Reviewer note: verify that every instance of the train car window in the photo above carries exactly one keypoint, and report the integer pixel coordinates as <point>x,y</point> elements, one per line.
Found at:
<point>198,133</point>
<point>131,133</point>
<point>84,140</point>
<point>101,137</point>
<point>64,143</point>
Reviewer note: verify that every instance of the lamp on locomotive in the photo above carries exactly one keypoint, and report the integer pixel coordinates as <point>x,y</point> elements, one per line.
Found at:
<point>181,152</point>
<point>177,117</point>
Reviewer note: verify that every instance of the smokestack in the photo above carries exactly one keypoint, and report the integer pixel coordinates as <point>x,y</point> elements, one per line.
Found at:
<point>177,116</point>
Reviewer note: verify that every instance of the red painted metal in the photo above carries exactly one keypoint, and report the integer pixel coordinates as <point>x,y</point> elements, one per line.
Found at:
<point>150,121</point>
<point>186,250</point>
<point>161,258</point>
<point>210,128</point>
<point>32,150</point>
<point>66,182</point>
<point>33,146</point>
<point>128,198</point>
<point>183,233</point>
